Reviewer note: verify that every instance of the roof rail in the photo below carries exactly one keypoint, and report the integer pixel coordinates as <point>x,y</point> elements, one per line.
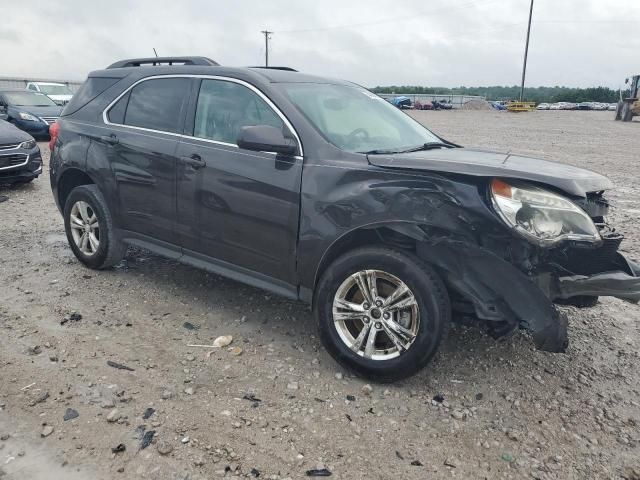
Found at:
<point>159,61</point>
<point>288,69</point>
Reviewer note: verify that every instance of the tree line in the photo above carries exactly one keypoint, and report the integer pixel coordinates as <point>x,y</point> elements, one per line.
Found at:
<point>532,94</point>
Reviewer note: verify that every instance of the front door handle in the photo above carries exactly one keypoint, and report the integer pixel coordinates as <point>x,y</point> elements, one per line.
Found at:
<point>194,161</point>
<point>110,139</point>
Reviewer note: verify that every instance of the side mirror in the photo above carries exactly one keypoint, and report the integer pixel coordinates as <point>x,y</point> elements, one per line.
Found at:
<point>265,138</point>
<point>3,112</point>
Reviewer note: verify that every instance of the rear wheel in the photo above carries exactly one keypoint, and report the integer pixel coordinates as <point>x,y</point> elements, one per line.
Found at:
<point>89,228</point>
<point>381,313</point>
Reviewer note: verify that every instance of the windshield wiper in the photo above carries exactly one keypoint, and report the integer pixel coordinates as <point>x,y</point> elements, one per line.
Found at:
<point>379,151</point>
<point>427,146</point>
<point>424,146</point>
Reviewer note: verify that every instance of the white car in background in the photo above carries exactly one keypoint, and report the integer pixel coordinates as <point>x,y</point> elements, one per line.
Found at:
<point>612,106</point>
<point>58,92</point>
<point>555,106</point>
<point>543,106</point>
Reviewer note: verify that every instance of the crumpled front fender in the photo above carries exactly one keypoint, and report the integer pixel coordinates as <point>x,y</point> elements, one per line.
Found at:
<point>498,290</point>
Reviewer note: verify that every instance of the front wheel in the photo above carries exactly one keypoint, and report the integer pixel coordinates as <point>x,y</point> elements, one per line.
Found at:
<point>381,312</point>
<point>89,228</point>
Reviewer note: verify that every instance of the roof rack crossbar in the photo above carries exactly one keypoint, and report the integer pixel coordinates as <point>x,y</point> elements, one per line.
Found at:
<point>158,61</point>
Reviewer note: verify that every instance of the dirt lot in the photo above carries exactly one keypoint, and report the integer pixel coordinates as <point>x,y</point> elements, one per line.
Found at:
<point>277,405</point>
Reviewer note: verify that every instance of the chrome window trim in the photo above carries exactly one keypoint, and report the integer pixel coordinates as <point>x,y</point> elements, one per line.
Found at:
<point>15,166</point>
<point>251,87</point>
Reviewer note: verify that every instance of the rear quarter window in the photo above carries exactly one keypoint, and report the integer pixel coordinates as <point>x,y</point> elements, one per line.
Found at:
<point>89,90</point>
<point>157,104</point>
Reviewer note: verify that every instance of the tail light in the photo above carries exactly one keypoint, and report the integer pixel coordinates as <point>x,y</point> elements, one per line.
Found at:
<point>54,129</point>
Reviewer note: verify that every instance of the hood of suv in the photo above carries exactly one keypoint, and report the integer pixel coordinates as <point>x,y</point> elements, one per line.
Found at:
<point>10,134</point>
<point>572,180</point>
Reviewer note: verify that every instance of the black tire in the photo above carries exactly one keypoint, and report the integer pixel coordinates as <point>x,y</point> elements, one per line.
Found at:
<point>110,249</point>
<point>431,298</point>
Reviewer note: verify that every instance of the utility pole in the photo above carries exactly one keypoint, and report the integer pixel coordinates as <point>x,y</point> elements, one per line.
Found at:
<point>526,51</point>
<point>266,34</point>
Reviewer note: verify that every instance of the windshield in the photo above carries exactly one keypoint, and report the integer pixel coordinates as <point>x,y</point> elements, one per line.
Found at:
<point>29,99</point>
<point>356,120</point>
<point>55,89</point>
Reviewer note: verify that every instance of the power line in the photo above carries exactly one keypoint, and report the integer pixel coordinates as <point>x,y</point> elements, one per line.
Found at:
<point>267,37</point>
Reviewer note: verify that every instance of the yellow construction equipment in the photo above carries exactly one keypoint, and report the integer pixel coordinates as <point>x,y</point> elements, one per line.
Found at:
<point>629,107</point>
<point>521,106</point>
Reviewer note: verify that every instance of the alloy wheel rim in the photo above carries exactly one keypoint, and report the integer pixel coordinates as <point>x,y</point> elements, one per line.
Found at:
<point>85,228</point>
<point>376,315</point>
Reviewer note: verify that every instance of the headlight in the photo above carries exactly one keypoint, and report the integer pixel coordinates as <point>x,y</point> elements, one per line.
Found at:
<point>540,215</point>
<point>28,116</point>
<point>28,145</point>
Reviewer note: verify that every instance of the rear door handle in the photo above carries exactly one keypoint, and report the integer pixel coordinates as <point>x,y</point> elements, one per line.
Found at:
<point>110,139</point>
<point>194,161</point>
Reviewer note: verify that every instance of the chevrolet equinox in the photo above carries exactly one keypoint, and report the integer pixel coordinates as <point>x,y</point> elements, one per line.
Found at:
<point>321,191</point>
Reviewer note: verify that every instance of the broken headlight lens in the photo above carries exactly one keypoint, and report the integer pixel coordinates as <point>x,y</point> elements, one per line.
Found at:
<point>541,215</point>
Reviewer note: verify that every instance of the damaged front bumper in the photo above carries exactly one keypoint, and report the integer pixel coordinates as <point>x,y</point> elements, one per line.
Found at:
<point>499,291</point>
<point>622,281</point>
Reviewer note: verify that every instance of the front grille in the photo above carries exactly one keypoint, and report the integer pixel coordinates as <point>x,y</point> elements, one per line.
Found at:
<point>49,120</point>
<point>14,160</point>
<point>8,146</point>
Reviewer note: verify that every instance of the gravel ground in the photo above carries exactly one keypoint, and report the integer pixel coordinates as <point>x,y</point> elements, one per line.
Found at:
<point>273,404</point>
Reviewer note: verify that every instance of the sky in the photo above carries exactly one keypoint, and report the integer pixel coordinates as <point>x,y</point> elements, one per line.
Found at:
<point>446,43</point>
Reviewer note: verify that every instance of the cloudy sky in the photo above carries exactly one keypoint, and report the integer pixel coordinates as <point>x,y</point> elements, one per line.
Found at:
<point>373,42</point>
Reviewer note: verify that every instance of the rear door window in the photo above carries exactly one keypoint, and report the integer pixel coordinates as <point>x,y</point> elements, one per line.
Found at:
<point>157,104</point>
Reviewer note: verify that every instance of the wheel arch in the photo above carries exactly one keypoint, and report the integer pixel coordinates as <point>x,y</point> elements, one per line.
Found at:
<point>70,179</point>
<point>403,235</point>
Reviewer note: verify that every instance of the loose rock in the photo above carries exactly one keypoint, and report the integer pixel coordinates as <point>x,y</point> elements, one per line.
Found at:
<point>147,438</point>
<point>70,414</point>
<point>223,341</point>
<point>164,448</point>
<point>114,416</point>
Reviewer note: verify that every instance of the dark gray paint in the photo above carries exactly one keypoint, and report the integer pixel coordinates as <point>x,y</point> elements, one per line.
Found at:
<point>277,221</point>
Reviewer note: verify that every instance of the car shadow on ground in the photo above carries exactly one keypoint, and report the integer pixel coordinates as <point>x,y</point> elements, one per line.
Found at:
<point>467,348</point>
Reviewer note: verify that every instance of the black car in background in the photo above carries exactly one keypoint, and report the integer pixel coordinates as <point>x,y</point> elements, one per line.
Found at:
<point>20,160</point>
<point>321,191</point>
<point>30,111</point>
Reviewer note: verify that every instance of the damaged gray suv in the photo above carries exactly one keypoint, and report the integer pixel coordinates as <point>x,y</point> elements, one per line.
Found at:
<point>320,191</point>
